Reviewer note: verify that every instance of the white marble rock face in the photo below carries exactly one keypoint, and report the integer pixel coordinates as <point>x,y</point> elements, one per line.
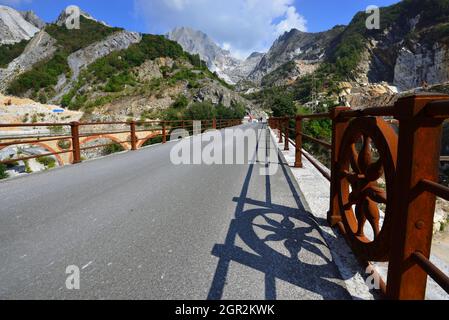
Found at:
<point>430,65</point>
<point>13,26</point>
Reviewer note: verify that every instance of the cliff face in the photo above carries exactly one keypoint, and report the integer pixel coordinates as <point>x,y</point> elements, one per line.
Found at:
<point>218,60</point>
<point>13,27</point>
<point>422,64</point>
<point>40,48</point>
<point>32,18</point>
<point>410,48</point>
<point>294,45</point>
<point>82,58</point>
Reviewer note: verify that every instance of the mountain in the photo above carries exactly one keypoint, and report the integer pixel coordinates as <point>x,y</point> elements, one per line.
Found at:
<point>218,60</point>
<point>295,46</point>
<point>112,74</point>
<point>357,66</point>
<point>14,27</point>
<point>411,47</point>
<point>32,18</point>
<point>62,18</point>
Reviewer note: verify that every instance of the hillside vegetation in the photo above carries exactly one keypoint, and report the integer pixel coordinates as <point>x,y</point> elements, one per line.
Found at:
<point>8,52</point>
<point>44,75</point>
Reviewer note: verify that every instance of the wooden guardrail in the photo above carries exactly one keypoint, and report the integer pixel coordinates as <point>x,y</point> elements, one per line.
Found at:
<point>372,165</point>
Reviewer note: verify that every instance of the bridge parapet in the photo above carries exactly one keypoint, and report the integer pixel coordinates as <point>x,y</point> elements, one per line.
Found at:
<point>71,139</point>
<point>383,178</point>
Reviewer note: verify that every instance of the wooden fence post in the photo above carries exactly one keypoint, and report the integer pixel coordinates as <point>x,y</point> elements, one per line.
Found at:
<point>74,126</point>
<point>418,158</point>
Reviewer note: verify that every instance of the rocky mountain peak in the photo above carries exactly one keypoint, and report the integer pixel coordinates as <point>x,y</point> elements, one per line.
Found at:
<point>197,42</point>
<point>63,17</point>
<point>218,60</point>
<point>14,27</point>
<point>32,18</point>
<point>294,45</point>
<point>255,55</point>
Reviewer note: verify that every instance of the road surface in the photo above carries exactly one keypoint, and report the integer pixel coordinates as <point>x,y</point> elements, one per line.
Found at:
<point>139,227</point>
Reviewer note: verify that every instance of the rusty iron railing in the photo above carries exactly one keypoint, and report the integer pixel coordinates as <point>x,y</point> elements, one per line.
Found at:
<point>74,133</point>
<point>371,164</point>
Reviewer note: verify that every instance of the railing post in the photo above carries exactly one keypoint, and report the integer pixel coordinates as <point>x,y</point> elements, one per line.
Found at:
<point>418,158</point>
<point>74,127</point>
<point>164,132</point>
<point>338,129</point>
<point>287,134</point>
<point>298,142</point>
<point>132,125</point>
<point>214,124</point>
<point>279,125</point>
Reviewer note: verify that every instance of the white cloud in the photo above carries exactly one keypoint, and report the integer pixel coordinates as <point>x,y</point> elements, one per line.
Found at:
<point>293,20</point>
<point>243,26</point>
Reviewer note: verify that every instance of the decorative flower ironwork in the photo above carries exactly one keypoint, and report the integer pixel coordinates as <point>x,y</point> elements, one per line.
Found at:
<point>365,191</point>
<point>368,153</point>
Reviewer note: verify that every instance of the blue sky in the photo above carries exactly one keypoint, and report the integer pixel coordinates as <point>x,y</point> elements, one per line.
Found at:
<point>241,26</point>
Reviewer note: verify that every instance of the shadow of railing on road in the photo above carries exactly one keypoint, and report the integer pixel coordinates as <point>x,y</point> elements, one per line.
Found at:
<point>288,231</point>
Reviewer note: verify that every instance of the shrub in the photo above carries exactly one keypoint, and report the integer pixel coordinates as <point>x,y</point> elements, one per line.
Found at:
<point>67,98</point>
<point>201,111</point>
<point>181,102</point>
<point>9,52</point>
<point>48,162</point>
<point>45,74</point>
<point>27,166</point>
<point>3,173</point>
<point>117,82</point>
<point>113,148</point>
<point>64,144</point>
<point>154,140</point>
<point>56,129</point>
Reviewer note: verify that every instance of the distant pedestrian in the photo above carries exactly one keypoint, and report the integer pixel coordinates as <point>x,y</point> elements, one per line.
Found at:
<point>425,85</point>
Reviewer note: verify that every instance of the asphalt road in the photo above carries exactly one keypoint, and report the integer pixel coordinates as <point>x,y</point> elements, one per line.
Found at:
<point>140,227</point>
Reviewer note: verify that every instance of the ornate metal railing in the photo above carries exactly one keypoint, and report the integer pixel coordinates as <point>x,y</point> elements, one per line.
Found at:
<point>387,179</point>
<point>131,135</point>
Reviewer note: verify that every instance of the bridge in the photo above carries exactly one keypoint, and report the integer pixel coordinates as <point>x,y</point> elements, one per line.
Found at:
<point>139,226</point>
<point>67,141</point>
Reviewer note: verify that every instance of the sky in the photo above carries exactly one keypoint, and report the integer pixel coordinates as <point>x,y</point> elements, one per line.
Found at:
<point>241,26</point>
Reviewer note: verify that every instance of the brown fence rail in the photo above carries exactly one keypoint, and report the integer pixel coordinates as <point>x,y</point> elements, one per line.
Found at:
<point>366,150</point>
<point>73,134</point>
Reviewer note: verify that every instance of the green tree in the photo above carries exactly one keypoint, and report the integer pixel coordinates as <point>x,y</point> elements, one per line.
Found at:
<point>201,111</point>
<point>283,105</point>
